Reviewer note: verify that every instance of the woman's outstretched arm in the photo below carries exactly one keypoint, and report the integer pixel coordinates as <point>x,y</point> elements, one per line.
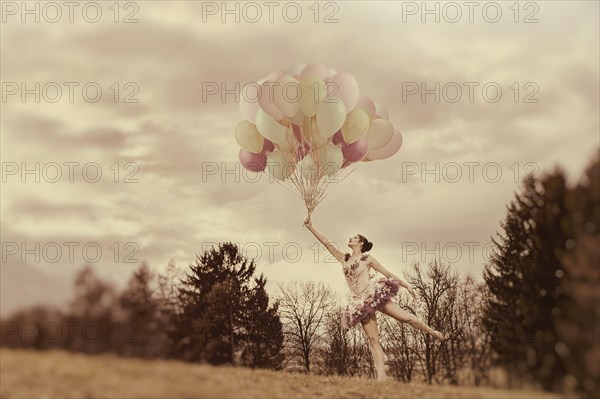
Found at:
<point>379,268</point>
<point>330,247</point>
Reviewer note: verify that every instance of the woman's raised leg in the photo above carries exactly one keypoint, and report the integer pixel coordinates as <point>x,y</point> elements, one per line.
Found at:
<point>369,325</point>
<point>393,310</point>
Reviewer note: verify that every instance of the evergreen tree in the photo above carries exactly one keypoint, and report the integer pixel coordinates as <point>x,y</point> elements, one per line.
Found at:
<point>225,312</point>
<point>142,334</point>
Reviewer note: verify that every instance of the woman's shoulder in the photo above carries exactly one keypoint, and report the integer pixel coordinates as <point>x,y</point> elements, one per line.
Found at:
<point>365,256</point>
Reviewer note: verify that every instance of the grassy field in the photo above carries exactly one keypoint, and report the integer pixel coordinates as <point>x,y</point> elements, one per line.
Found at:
<point>57,374</point>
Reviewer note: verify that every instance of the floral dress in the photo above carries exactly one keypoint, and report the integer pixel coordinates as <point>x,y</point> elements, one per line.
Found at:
<point>368,292</point>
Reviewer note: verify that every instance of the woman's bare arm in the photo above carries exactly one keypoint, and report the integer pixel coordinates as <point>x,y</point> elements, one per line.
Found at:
<point>374,263</point>
<point>328,244</point>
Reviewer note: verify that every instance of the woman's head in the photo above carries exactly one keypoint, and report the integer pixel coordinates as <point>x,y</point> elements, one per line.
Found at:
<point>360,242</point>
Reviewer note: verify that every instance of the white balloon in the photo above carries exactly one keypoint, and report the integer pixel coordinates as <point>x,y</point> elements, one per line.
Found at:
<point>269,127</point>
<point>295,70</point>
<point>332,159</point>
<point>308,168</point>
<point>331,115</point>
<point>380,133</point>
<point>279,165</point>
<point>286,94</point>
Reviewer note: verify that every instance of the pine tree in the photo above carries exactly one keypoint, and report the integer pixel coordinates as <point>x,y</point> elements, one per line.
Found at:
<point>143,336</point>
<point>225,312</point>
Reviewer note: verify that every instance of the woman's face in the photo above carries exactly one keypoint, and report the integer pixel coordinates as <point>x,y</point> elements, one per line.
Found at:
<point>354,241</point>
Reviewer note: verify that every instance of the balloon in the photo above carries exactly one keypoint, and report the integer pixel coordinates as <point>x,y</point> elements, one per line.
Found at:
<point>279,165</point>
<point>345,87</point>
<point>252,162</point>
<point>274,75</point>
<point>381,111</point>
<point>380,133</point>
<point>356,151</point>
<point>286,95</point>
<point>368,105</point>
<point>267,100</point>
<point>388,150</point>
<point>290,143</point>
<point>248,137</point>
<point>313,93</point>
<point>269,128</point>
<point>338,138</point>
<point>312,135</point>
<point>308,168</point>
<point>331,115</point>
<point>356,125</point>
<point>315,69</point>
<point>332,159</point>
<point>298,118</point>
<point>295,69</point>
<point>268,147</point>
<point>249,105</point>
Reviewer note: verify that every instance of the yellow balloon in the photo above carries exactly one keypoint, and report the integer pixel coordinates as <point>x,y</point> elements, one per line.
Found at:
<point>313,92</point>
<point>269,128</point>
<point>248,137</point>
<point>312,135</point>
<point>357,124</point>
<point>290,143</point>
<point>279,165</point>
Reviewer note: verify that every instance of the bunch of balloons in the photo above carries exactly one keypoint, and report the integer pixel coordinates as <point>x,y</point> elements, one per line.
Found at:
<point>306,125</point>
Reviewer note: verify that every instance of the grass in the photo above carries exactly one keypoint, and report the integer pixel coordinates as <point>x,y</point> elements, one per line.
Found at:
<point>59,374</point>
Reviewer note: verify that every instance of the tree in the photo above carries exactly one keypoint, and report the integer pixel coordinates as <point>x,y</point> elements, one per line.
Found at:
<point>139,314</point>
<point>344,352</point>
<point>91,322</point>
<point>303,307</point>
<point>224,310</point>
<point>533,281</point>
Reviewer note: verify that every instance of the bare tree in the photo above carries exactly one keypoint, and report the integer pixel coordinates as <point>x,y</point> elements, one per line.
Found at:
<point>344,352</point>
<point>302,308</point>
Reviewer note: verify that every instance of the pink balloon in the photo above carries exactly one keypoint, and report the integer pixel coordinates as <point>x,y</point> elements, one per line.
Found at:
<point>346,163</point>
<point>356,151</point>
<point>315,69</point>
<point>389,149</point>
<point>368,105</point>
<point>345,87</point>
<point>253,162</point>
<point>338,138</point>
<point>297,133</point>
<point>267,100</point>
<point>268,147</point>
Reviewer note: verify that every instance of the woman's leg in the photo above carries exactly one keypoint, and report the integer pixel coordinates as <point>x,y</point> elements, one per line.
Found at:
<point>369,324</point>
<point>393,310</point>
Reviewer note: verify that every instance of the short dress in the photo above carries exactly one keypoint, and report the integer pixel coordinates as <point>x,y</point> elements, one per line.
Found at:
<point>368,292</point>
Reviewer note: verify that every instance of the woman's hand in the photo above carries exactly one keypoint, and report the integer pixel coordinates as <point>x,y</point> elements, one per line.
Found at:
<point>307,222</point>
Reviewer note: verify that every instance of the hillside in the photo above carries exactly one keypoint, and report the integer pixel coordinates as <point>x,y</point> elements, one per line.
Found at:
<point>54,374</point>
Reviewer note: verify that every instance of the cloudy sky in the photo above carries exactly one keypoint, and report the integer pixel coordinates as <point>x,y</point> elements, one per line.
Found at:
<point>121,93</point>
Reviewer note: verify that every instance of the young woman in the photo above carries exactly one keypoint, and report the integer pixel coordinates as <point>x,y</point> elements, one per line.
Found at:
<point>370,294</point>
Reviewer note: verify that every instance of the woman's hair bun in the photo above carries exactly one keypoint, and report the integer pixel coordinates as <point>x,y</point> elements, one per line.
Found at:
<point>366,244</point>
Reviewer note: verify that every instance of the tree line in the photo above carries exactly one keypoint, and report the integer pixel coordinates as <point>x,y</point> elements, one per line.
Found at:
<point>535,316</point>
